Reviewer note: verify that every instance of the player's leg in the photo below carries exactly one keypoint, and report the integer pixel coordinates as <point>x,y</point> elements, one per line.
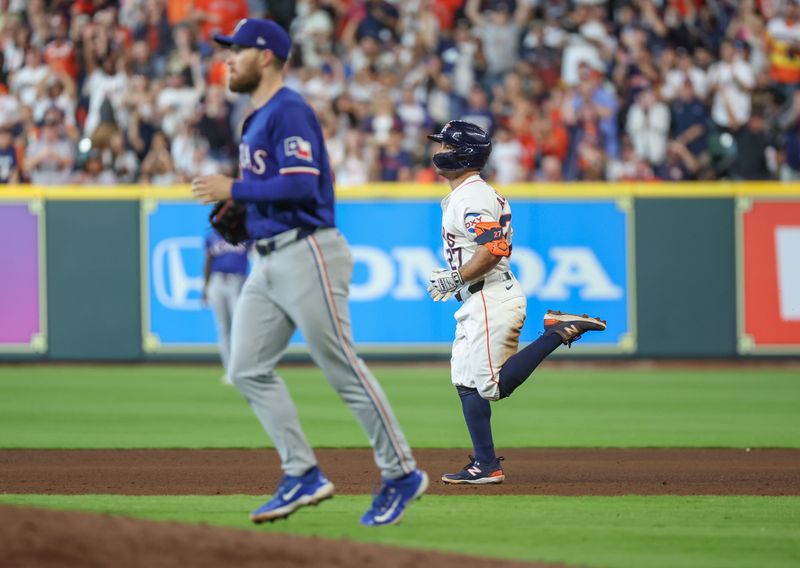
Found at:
<point>317,301</point>
<point>487,332</point>
<point>218,303</point>
<point>559,328</point>
<point>261,332</point>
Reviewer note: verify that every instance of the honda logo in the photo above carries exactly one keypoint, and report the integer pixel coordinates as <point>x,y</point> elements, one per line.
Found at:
<point>176,286</point>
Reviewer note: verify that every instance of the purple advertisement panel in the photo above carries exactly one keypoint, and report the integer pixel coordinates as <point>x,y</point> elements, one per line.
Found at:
<point>20,309</point>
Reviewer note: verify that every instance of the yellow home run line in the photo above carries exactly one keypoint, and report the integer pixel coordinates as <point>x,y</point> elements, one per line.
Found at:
<point>405,192</point>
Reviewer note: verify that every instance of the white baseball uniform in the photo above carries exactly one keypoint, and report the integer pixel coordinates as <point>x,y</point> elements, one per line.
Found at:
<point>489,322</point>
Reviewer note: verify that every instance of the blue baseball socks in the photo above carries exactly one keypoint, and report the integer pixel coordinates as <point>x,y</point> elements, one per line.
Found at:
<point>521,365</point>
<point>478,415</point>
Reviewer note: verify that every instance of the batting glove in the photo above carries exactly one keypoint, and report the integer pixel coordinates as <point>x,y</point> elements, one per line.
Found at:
<point>444,283</point>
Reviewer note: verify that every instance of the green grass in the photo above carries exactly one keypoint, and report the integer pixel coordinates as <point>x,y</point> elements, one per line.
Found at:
<point>619,532</point>
<point>170,406</point>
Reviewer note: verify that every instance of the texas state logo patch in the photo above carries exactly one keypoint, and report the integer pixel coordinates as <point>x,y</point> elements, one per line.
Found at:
<point>299,147</point>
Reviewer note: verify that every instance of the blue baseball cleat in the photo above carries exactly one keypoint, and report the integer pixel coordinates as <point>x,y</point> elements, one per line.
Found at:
<point>292,493</point>
<point>476,473</point>
<point>391,501</point>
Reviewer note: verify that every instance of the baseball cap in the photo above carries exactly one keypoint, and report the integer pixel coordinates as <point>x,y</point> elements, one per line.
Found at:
<point>261,34</point>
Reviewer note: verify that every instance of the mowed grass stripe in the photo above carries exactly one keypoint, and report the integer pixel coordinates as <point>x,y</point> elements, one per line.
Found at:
<point>186,407</point>
<point>620,532</point>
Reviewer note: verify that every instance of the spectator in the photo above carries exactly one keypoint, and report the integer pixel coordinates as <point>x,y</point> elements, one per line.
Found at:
<point>394,163</point>
<point>783,46</point>
<point>49,160</point>
<point>478,111</point>
<point>354,167</point>
<point>177,101</point>
<point>60,53</point>
<point>9,169</point>
<point>105,87</point>
<point>506,158</point>
<point>648,127</point>
<point>25,81</point>
<point>94,172</point>
<point>689,120</point>
<point>730,80</point>
<point>756,150</point>
<point>214,125</point>
<point>157,167</point>
<point>59,92</point>
<point>414,117</point>
<point>551,170</point>
<point>679,164</point>
<point>383,120</point>
<point>684,70</point>
<point>9,107</point>
<point>218,16</point>
<point>601,104</point>
<point>500,32</point>
<point>120,160</point>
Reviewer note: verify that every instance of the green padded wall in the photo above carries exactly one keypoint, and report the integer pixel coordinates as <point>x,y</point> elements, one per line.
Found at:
<point>93,280</point>
<point>686,279</point>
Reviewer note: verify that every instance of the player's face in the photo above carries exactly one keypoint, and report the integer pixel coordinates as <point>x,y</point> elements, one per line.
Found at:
<point>441,150</point>
<point>244,73</point>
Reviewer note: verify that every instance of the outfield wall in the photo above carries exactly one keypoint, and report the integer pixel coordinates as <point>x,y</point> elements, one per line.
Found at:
<point>687,270</point>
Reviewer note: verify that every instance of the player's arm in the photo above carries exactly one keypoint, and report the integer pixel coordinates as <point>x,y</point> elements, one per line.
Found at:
<point>487,233</point>
<point>298,161</point>
<point>481,263</point>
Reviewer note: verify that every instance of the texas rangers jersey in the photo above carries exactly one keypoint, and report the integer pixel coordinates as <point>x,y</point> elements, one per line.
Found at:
<point>286,177</point>
<point>471,205</point>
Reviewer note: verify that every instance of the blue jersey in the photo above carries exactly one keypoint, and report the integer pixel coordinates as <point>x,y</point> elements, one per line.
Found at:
<point>225,257</point>
<point>286,177</point>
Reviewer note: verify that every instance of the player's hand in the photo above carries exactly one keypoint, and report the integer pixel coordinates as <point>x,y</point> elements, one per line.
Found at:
<point>212,188</point>
<point>444,283</point>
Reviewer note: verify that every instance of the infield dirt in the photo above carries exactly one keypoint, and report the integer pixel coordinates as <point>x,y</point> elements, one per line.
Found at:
<point>36,537</point>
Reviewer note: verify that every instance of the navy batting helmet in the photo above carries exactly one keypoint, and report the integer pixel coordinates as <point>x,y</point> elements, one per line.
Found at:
<point>471,147</point>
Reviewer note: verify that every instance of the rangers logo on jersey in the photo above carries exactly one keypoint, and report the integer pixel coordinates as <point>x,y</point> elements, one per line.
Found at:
<point>297,146</point>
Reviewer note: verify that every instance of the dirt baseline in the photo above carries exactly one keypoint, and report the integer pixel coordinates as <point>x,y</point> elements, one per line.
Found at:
<point>353,471</point>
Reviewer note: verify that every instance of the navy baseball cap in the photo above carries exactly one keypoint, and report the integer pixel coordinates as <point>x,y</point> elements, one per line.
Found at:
<point>261,34</point>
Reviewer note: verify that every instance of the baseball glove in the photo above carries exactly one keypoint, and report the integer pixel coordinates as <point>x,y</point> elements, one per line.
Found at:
<point>228,218</point>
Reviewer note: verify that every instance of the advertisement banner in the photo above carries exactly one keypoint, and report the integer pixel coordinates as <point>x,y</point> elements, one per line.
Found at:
<point>769,284</point>
<point>22,306</point>
<point>572,256</point>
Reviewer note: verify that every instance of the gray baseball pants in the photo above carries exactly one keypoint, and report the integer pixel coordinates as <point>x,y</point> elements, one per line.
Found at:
<point>223,291</point>
<point>305,285</point>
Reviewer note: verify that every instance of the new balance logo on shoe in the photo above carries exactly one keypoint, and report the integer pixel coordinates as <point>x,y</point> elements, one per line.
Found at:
<point>571,327</point>
<point>476,474</point>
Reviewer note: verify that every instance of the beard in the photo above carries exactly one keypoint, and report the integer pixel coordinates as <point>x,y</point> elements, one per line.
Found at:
<point>245,82</point>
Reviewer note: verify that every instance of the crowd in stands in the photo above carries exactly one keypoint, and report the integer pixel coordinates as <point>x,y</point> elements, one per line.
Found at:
<point>134,91</point>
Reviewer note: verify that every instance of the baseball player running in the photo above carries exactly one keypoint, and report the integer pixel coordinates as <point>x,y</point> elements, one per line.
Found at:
<point>224,272</point>
<point>476,233</point>
<point>300,280</point>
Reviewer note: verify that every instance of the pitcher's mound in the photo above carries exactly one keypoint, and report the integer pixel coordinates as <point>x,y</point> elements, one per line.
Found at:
<point>41,538</point>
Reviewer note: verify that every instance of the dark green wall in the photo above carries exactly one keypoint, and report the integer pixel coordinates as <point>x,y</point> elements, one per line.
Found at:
<point>686,277</point>
<point>93,298</point>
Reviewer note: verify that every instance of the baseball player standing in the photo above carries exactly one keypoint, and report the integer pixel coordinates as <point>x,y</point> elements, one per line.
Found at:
<point>300,280</point>
<point>224,272</point>
<point>476,233</point>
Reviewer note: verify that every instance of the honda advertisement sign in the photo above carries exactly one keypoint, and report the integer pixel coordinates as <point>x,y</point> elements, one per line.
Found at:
<point>573,256</point>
